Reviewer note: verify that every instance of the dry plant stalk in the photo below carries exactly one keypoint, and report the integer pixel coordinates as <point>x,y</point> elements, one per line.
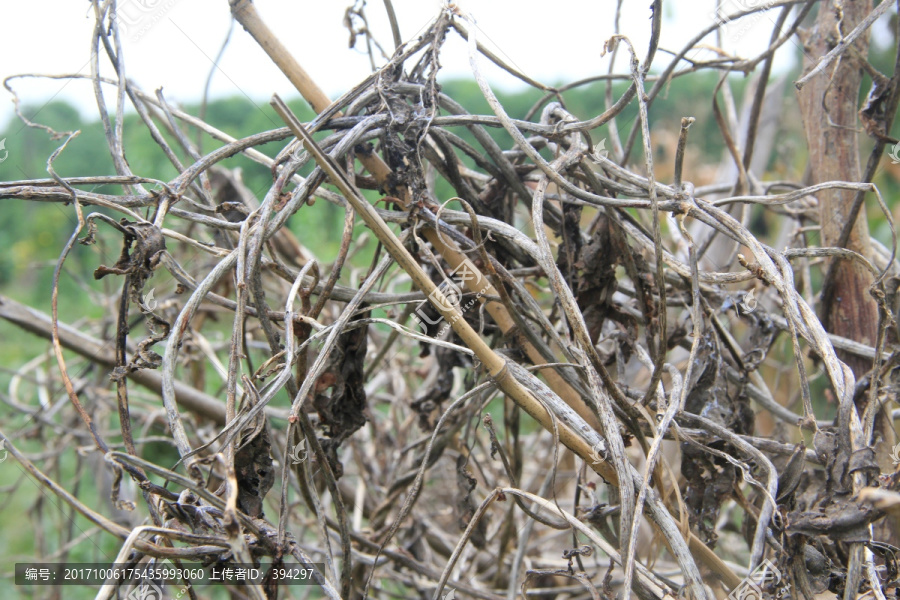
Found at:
<point>605,324</point>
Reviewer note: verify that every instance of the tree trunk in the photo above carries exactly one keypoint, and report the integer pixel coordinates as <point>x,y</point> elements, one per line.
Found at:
<point>828,104</point>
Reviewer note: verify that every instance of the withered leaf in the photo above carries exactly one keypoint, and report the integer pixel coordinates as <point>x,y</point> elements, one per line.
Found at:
<point>141,248</point>
<point>465,483</point>
<point>843,521</point>
<point>873,114</point>
<point>343,412</point>
<point>255,475</point>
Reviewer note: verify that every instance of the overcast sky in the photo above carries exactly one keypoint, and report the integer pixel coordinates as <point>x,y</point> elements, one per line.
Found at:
<point>173,43</point>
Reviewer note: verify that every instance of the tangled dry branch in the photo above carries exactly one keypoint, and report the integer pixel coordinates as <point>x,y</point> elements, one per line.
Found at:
<point>357,421</point>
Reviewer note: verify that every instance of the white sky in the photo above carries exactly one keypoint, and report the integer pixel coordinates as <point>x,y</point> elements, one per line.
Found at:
<point>552,41</point>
